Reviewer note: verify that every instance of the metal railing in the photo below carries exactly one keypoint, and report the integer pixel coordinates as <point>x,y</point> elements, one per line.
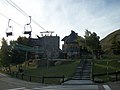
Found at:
<point>116,75</point>
<point>40,79</point>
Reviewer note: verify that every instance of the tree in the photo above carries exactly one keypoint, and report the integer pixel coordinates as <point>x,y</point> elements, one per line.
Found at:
<point>23,41</point>
<point>5,55</point>
<point>81,43</point>
<point>92,43</point>
<point>18,55</point>
<point>115,45</point>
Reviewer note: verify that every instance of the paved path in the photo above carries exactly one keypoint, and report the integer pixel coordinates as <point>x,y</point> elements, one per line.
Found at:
<point>83,70</point>
<point>9,83</point>
<point>114,85</point>
<point>81,78</point>
<point>78,82</point>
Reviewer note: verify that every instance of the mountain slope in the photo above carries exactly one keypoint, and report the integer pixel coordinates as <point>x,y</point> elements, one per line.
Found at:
<point>106,43</point>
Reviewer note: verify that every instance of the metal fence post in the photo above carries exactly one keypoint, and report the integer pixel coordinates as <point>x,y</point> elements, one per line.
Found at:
<point>63,78</point>
<point>30,78</point>
<point>116,76</point>
<point>16,74</point>
<point>22,76</point>
<point>43,79</point>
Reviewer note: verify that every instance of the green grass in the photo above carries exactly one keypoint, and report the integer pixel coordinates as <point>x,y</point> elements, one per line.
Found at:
<point>66,69</point>
<point>104,66</point>
<point>111,64</point>
<point>117,57</point>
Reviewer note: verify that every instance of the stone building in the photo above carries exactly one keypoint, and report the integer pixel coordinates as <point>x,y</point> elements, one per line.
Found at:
<point>71,47</point>
<point>48,46</point>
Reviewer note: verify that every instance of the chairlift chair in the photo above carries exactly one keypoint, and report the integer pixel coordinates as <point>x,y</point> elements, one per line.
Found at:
<point>27,31</point>
<point>9,34</point>
<point>25,27</point>
<point>9,30</point>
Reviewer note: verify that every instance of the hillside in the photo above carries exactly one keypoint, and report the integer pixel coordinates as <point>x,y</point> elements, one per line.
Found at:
<point>107,41</point>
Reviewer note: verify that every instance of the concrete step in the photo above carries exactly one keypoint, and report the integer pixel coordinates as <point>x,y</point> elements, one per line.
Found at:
<point>88,66</point>
<point>78,82</point>
<point>77,74</point>
<point>79,67</point>
<point>81,77</point>
<point>85,77</point>
<point>77,71</point>
<point>73,78</point>
<point>86,71</point>
<point>85,74</point>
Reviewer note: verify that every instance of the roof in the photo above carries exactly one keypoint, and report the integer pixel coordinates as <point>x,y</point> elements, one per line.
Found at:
<point>72,38</point>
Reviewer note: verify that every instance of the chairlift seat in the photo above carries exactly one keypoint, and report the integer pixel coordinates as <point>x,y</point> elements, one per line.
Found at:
<point>9,34</point>
<point>27,32</point>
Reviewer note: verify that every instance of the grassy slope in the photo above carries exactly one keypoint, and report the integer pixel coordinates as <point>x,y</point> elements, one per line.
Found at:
<point>107,41</point>
<point>101,66</point>
<point>67,70</point>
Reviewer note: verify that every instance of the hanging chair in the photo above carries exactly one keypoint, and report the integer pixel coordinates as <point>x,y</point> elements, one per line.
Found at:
<point>28,28</point>
<point>9,30</point>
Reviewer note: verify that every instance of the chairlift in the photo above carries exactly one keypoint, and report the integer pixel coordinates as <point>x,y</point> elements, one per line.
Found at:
<point>9,29</point>
<point>28,26</point>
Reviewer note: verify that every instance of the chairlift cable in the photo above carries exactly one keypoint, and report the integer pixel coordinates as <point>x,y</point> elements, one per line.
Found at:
<point>19,8</point>
<point>23,12</point>
<point>14,21</point>
<point>16,8</point>
<point>11,20</point>
<point>4,15</point>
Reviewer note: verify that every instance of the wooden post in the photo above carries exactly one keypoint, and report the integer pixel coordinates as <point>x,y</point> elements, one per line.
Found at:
<point>107,71</point>
<point>93,78</point>
<point>13,73</point>
<point>43,79</point>
<point>91,70</point>
<point>30,78</point>
<point>22,76</point>
<point>16,74</point>
<point>116,75</point>
<point>25,60</point>
<point>63,78</point>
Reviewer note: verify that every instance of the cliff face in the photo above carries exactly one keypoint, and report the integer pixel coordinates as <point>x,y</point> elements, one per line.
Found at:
<point>106,43</point>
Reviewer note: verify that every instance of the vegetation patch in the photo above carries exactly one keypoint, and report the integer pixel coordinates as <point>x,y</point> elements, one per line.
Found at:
<point>105,66</point>
<point>37,74</point>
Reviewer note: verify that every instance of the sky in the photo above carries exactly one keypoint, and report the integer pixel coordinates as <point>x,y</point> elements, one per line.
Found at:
<point>61,16</point>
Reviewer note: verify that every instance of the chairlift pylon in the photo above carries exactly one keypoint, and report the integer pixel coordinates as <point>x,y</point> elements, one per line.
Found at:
<point>28,25</point>
<point>9,29</point>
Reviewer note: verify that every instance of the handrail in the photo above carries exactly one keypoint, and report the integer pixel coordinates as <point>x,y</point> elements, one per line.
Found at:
<point>118,72</point>
<point>108,73</point>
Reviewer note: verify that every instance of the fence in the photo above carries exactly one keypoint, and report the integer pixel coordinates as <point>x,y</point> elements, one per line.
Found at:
<point>110,76</point>
<point>40,79</point>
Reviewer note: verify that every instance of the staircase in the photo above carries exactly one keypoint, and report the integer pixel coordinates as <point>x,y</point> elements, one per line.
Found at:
<point>83,71</point>
<point>82,79</point>
<point>81,75</point>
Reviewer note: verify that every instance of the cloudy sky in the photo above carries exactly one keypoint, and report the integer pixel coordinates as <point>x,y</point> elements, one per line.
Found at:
<point>61,16</point>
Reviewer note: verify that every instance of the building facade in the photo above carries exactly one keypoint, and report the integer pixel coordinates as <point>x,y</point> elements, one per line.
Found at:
<point>71,47</point>
<point>48,46</point>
